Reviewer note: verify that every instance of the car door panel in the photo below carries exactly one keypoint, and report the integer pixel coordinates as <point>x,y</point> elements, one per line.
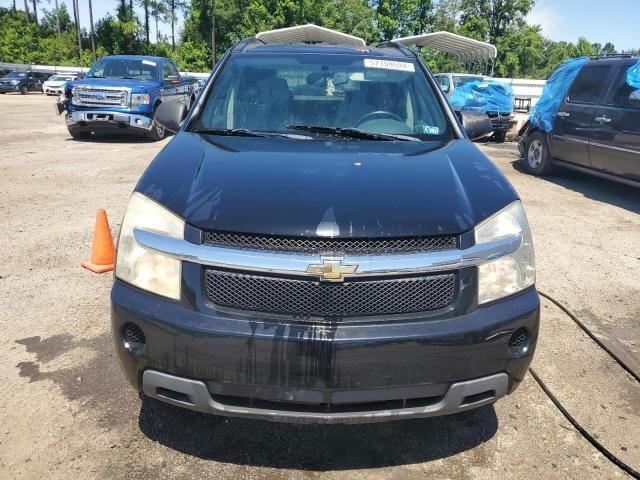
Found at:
<point>572,125</point>
<point>615,140</point>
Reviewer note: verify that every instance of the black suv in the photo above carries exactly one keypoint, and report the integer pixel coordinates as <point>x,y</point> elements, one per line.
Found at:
<point>597,128</point>
<point>321,242</point>
<point>22,82</point>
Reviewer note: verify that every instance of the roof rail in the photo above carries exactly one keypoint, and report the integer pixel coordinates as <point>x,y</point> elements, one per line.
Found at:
<point>612,55</point>
<point>309,33</point>
<point>463,48</point>
<point>243,44</point>
<point>399,46</point>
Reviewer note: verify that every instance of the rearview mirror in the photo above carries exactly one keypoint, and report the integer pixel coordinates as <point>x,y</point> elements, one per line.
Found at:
<point>475,124</point>
<point>170,115</point>
<point>173,78</point>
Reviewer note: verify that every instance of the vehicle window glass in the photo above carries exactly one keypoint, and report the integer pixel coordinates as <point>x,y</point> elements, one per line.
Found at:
<point>588,84</point>
<point>268,92</point>
<point>17,75</point>
<point>621,91</point>
<point>124,69</point>
<point>166,71</point>
<point>444,83</point>
<point>464,79</point>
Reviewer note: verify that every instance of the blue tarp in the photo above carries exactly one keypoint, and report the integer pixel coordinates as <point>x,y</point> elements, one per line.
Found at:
<point>633,76</point>
<point>483,96</point>
<point>554,91</point>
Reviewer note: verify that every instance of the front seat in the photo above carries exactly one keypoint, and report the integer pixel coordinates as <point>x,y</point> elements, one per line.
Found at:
<point>264,105</point>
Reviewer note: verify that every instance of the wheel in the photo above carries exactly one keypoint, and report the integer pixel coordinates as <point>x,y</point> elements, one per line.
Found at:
<point>537,159</point>
<point>499,136</point>
<point>24,90</point>
<point>79,135</point>
<point>158,132</point>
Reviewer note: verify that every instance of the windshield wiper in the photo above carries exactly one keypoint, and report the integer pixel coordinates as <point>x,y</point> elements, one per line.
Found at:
<point>353,133</point>
<point>235,132</point>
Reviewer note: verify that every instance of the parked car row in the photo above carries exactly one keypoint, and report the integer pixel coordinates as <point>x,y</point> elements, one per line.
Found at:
<point>27,81</point>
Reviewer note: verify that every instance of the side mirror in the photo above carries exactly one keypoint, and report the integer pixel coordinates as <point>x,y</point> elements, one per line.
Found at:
<point>475,124</point>
<point>171,114</point>
<point>173,79</point>
<point>634,99</point>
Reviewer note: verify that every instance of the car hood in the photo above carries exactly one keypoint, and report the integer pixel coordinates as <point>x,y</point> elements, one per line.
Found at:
<point>56,83</point>
<point>114,82</point>
<point>344,189</point>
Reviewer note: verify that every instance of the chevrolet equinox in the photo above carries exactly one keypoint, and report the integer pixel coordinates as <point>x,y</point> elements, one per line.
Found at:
<point>321,242</point>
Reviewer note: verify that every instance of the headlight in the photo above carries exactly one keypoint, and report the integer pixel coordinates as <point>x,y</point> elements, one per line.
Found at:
<point>74,99</point>
<point>138,99</point>
<point>511,273</point>
<point>145,268</point>
<point>15,82</point>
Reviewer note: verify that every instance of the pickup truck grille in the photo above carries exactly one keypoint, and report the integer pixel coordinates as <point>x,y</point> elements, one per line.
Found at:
<point>309,298</point>
<point>327,246</point>
<point>101,97</point>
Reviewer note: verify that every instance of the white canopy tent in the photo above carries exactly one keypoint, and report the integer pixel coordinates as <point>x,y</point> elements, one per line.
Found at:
<point>463,48</point>
<point>309,33</point>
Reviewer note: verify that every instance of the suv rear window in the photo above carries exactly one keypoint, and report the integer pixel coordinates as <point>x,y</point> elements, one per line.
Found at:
<point>587,86</point>
<point>266,93</point>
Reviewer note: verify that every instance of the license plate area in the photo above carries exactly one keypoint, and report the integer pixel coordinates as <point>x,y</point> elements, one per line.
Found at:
<point>98,117</point>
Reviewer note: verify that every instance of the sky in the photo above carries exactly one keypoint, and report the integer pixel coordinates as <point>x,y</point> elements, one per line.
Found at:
<point>601,21</point>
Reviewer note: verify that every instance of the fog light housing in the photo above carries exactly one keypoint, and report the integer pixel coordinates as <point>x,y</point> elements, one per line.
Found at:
<point>519,342</point>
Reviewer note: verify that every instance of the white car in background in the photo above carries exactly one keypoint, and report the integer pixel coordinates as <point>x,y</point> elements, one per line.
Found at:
<point>55,84</point>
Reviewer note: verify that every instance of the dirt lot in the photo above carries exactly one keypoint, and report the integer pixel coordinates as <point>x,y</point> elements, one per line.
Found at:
<point>66,411</point>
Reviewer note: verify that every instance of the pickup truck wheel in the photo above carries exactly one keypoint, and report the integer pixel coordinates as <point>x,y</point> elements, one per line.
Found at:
<point>499,136</point>
<point>24,90</point>
<point>537,159</point>
<point>158,132</point>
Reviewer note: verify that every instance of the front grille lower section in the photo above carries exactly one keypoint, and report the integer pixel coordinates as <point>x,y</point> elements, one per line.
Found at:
<point>101,97</point>
<point>327,246</point>
<point>302,298</point>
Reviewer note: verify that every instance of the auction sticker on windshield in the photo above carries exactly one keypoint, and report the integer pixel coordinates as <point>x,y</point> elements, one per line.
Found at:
<point>389,65</point>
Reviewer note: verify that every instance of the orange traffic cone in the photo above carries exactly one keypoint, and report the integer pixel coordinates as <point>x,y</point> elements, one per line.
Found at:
<point>102,250</point>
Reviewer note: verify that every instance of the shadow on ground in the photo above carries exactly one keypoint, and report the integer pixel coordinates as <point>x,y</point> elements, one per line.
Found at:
<point>595,188</point>
<point>315,447</point>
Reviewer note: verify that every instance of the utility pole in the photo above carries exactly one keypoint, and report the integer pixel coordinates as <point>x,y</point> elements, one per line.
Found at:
<point>57,19</point>
<point>213,33</point>
<point>93,34</point>
<point>26,11</point>
<point>76,16</point>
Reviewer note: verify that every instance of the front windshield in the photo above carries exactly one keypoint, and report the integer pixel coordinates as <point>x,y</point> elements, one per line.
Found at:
<point>272,93</point>
<point>59,77</point>
<point>124,69</point>
<point>17,75</point>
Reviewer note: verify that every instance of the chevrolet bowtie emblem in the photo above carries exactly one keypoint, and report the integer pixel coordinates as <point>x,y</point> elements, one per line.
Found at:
<point>332,269</point>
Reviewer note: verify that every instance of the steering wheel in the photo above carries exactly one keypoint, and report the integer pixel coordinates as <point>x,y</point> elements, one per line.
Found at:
<point>379,113</point>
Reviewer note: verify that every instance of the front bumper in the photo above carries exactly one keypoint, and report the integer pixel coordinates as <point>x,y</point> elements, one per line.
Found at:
<point>9,88</point>
<point>238,365</point>
<point>53,90</point>
<point>104,120</point>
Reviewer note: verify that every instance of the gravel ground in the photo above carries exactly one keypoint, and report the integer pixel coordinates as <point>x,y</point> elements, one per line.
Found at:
<point>67,412</point>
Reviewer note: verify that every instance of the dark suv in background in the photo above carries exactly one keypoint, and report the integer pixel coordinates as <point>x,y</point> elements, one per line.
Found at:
<point>596,129</point>
<point>22,82</point>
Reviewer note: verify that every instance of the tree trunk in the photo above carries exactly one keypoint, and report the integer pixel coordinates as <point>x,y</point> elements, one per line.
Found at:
<point>76,17</point>
<point>173,21</point>
<point>157,37</point>
<point>146,20</point>
<point>26,11</point>
<point>213,33</point>
<point>35,10</point>
<point>93,35</point>
<point>57,19</point>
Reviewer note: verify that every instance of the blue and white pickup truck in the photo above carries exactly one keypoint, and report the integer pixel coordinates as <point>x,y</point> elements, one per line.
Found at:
<point>121,93</point>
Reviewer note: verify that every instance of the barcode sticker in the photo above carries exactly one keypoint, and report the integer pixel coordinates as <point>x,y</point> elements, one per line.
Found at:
<point>389,65</point>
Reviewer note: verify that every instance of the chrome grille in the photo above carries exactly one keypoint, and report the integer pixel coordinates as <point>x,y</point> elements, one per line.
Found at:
<point>351,298</point>
<point>101,97</point>
<point>327,246</point>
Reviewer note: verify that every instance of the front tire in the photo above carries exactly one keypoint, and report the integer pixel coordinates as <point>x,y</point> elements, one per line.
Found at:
<point>24,90</point>
<point>157,132</point>
<point>537,158</point>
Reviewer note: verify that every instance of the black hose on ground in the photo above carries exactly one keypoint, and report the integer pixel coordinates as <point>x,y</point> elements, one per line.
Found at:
<point>596,444</point>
